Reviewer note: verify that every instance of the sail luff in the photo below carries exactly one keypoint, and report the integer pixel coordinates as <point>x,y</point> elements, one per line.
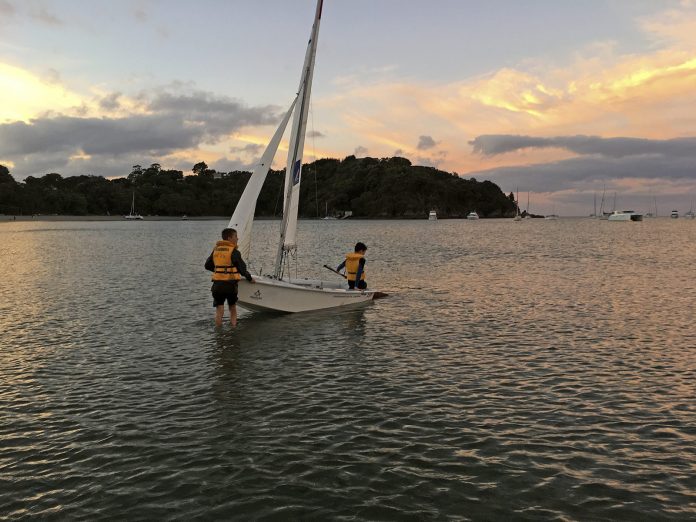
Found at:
<point>243,217</point>
<point>293,170</point>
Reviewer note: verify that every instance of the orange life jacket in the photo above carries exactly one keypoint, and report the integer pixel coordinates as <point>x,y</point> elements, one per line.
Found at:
<point>352,265</point>
<point>222,257</point>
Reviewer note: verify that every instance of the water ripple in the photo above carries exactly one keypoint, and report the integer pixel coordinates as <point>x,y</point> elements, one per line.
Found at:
<point>526,372</point>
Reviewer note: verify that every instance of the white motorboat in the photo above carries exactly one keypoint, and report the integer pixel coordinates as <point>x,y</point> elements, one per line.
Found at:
<point>432,215</point>
<point>674,214</point>
<point>133,216</point>
<point>278,292</point>
<point>625,215</point>
<point>472,215</point>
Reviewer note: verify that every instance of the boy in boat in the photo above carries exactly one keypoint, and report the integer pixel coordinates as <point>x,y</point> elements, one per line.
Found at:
<point>355,267</point>
<point>228,267</point>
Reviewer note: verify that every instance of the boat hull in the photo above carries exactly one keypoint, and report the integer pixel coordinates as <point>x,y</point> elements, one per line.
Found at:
<point>305,295</point>
<point>626,216</point>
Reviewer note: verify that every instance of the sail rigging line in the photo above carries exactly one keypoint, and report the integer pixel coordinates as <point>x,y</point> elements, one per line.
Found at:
<point>314,154</point>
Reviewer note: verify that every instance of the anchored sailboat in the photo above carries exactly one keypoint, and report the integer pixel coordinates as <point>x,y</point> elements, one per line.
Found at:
<point>132,214</point>
<point>518,216</point>
<point>278,292</point>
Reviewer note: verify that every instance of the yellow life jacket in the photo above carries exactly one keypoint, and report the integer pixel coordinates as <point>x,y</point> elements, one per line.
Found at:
<point>222,257</point>
<point>352,265</point>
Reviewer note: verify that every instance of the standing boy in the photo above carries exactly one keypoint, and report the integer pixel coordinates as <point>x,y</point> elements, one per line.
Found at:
<point>228,267</point>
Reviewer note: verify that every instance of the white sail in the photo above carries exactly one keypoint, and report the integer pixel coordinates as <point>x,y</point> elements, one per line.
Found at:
<point>279,292</point>
<point>293,172</point>
<point>243,217</point>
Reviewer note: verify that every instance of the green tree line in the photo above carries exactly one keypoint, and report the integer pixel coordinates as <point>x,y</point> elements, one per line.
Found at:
<point>367,187</point>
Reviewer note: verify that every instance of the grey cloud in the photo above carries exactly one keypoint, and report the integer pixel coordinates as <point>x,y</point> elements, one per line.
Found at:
<point>52,76</point>
<point>577,179</point>
<point>426,142</point>
<point>42,15</point>
<point>361,151</point>
<point>174,121</point>
<point>250,148</point>
<point>232,164</point>
<point>140,15</point>
<point>398,152</point>
<point>219,115</point>
<point>110,102</point>
<point>315,134</point>
<point>111,136</point>
<point>491,145</point>
<point>665,168</point>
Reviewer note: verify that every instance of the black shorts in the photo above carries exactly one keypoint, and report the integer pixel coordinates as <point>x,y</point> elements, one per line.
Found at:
<point>224,291</point>
<point>362,285</point>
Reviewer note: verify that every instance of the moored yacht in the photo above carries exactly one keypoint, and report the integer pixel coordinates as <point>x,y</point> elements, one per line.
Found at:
<point>133,216</point>
<point>674,214</point>
<point>432,216</point>
<point>625,215</point>
<point>472,215</point>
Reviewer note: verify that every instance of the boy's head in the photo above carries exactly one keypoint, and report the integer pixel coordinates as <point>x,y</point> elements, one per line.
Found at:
<point>360,248</point>
<point>229,234</point>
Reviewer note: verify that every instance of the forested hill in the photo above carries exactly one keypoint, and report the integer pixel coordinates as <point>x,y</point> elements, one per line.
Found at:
<point>367,187</point>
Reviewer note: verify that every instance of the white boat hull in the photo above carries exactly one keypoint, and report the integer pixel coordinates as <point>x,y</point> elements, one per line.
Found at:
<point>298,295</point>
<point>625,215</point>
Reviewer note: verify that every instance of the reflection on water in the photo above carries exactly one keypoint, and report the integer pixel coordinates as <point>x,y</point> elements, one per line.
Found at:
<point>534,370</point>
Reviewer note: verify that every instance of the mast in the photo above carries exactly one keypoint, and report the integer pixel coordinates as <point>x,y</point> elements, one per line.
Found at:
<point>293,169</point>
<point>594,213</point>
<point>517,201</point>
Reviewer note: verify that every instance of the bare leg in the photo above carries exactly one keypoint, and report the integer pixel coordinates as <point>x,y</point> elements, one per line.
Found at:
<point>233,315</point>
<point>219,312</point>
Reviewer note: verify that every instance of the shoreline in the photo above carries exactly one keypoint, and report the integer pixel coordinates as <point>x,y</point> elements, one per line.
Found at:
<point>9,218</point>
<point>39,217</point>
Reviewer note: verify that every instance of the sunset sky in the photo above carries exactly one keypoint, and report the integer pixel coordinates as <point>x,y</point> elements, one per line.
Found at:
<point>556,98</point>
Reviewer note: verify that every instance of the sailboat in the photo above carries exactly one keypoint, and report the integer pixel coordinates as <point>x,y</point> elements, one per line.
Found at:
<point>527,216</point>
<point>602,213</point>
<point>652,214</point>
<point>133,215</point>
<point>553,215</point>
<point>278,292</point>
<point>326,215</point>
<point>594,211</point>
<point>517,217</point>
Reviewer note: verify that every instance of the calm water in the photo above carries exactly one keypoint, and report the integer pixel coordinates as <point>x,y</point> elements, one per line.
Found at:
<point>533,370</point>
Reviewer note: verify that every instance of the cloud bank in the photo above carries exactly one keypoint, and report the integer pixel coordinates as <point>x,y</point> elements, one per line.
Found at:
<point>156,125</point>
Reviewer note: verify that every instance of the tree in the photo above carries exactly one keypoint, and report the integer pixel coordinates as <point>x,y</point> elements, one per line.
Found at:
<point>5,176</point>
<point>200,168</point>
<point>135,174</point>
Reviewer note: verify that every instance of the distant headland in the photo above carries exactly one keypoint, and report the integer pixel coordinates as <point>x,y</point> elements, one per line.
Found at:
<point>355,187</point>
